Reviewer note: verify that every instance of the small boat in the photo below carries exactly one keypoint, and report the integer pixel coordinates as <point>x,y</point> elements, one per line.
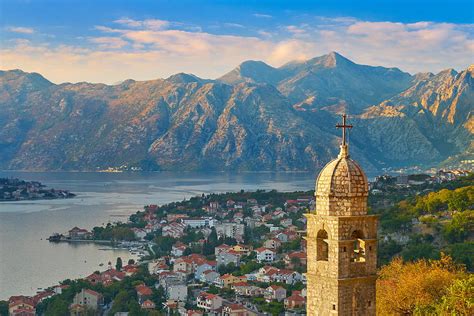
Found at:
<point>101,264</point>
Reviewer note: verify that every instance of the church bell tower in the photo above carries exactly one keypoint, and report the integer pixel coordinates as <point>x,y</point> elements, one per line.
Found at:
<point>341,240</point>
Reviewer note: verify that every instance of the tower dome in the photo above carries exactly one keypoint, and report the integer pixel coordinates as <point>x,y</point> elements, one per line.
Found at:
<point>342,187</point>
<point>342,177</point>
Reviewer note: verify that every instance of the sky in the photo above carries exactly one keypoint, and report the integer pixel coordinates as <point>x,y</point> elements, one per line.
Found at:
<point>110,41</point>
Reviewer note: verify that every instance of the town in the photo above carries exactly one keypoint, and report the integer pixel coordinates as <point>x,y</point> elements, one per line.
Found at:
<point>232,254</point>
<point>14,190</point>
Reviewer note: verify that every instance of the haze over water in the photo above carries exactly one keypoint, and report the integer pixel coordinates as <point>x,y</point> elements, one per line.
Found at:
<point>28,261</point>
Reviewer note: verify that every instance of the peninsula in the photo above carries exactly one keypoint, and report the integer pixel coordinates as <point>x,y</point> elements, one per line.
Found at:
<point>12,189</point>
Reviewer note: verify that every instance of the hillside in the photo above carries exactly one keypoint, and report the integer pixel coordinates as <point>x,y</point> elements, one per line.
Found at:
<point>256,117</point>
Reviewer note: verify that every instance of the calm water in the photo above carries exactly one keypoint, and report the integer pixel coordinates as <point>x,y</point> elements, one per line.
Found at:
<point>28,261</point>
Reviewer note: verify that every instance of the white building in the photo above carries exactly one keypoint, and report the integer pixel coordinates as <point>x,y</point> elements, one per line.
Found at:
<point>177,292</point>
<point>232,230</point>
<point>265,255</point>
<point>199,222</point>
<point>209,302</point>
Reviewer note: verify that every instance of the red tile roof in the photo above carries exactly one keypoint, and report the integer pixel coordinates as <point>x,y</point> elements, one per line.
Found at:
<point>143,290</point>
<point>92,292</point>
<point>208,296</point>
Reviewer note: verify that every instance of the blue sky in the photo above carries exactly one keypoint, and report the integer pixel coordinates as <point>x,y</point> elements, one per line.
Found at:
<point>109,41</point>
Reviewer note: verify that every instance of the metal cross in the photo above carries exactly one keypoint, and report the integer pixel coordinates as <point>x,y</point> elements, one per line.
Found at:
<point>343,126</point>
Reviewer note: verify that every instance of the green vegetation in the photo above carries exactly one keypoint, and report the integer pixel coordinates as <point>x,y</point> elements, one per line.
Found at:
<point>114,232</point>
<point>424,225</point>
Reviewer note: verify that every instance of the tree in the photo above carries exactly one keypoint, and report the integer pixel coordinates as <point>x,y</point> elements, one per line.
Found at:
<point>415,287</point>
<point>120,303</point>
<point>58,307</point>
<point>3,308</point>
<point>212,239</point>
<point>207,249</point>
<point>118,264</point>
<point>459,299</point>
<point>460,226</point>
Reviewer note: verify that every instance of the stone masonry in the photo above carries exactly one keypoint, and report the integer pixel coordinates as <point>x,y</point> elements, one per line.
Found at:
<point>341,242</point>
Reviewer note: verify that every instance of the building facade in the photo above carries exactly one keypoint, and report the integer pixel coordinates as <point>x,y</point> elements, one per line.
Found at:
<point>341,241</point>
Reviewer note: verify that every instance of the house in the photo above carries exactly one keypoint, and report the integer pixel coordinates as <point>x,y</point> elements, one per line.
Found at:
<point>221,248</point>
<point>140,233</point>
<point>193,313</point>
<point>264,274</point>
<point>273,243</point>
<point>286,222</point>
<point>41,296</point>
<point>147,304</point>
<point>143,293</point>
<point>199,222</point>
<point>232,230</point>
<point>157,266</point>
<point>224,258</point>
<point>241,249</point>
<point>177,250</point>
<point>174,217</point>
<point>106,278</point>
<point>201,267</point>
<point>177,291</point>
<point>130,269</point>
<point>275,292</point>
<point>245,289</point>
<point>252,202</point>
<point>295,258</point>
<point>174,285</point>
<point>209,302</point>
<point>209,276</point>
<point>84,300</point>
<point>265,255</point>
<point>226,280</point>
<point>236,310</point>
<point>111,275</point>
<point>287,276</point>
<point>238,217</point>
<point>283,236</point>
<point>295,301</point>
<point>214,205</point>
<point>21,306</point>
<point>79,233</point>
<point>279,214</point>
<point>58,289</point>
<point>175,230</point>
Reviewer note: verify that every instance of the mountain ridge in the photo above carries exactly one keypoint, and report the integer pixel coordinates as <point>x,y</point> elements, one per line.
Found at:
<point>257,118</point>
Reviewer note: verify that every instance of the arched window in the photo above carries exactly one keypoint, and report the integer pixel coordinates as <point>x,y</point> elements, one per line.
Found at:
<point>358,254</point>
<point>322,250</point>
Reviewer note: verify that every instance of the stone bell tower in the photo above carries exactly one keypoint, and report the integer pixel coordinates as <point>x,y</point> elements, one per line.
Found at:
<point>341,241</point>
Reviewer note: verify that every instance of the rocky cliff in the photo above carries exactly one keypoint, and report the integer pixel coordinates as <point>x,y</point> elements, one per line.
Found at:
<point>256,117</point>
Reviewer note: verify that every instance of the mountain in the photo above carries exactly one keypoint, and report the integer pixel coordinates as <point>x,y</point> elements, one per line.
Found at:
<point>330,81</point>
<point>254,118</point>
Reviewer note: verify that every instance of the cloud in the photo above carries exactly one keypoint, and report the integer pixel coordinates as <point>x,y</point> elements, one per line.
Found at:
<point>21,29</point>
<point>108,42</point>
<point>154,24</point>
<point>260,15</point>
<point>295,30</point>
<point>147,49</point>
<point>234,25</point>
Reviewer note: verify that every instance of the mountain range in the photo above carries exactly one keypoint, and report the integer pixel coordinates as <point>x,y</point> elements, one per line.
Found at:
<point>256,117</point>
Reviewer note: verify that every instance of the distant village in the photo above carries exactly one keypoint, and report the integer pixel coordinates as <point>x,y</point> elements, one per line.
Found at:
<point>234,254</point>
<point>12,189</point>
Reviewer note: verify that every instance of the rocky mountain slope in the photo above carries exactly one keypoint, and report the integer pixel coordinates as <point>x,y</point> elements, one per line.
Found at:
<point>254,118</point>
